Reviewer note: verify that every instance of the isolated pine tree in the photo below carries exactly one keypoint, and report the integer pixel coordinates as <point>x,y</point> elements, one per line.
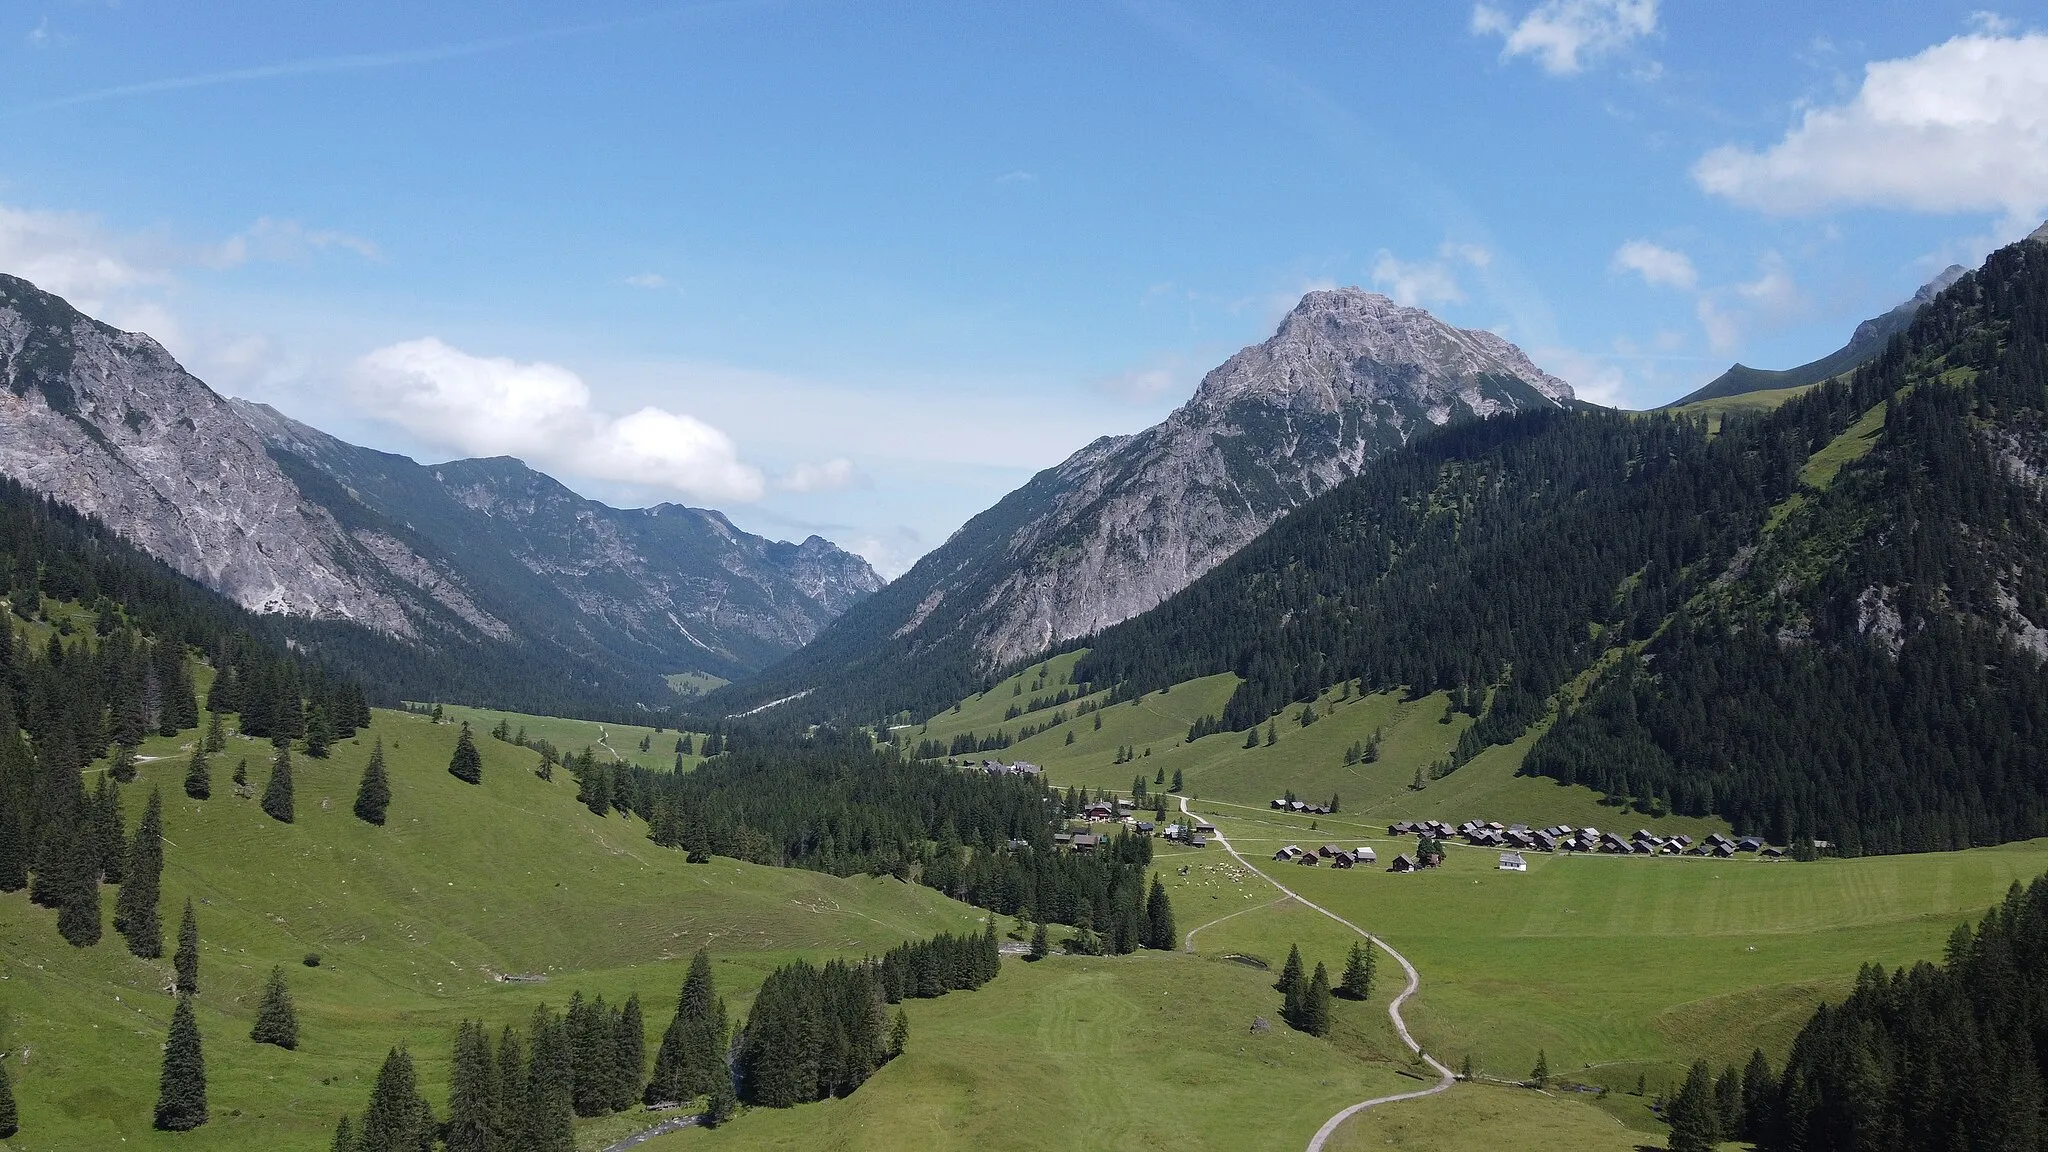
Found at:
<point>10,1120</point>
<point>185,961</point>
<point>242,771</point>
<point>467,765</point>
<point>1315,1004</point>
<point>1291,972</point>
<point>1540,1075</point>
<point>1040,948</point>
<point>472,1092</point>
<point>1358,972</point>
<point>181,1090</point>
<point>198,775</point>
<point>1272,734</point>
<point>135,910</point>
<point>216,737</point>
<point>277,1021</point>
<point>277,795</point>
<point>373,795</point>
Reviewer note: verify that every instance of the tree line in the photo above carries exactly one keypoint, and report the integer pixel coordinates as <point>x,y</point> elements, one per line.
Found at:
<point>1933,1057</point>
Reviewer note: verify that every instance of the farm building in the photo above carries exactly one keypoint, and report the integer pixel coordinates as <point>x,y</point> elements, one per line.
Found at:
<point>1401,864</point>
<point>1513,862</point>
<point>1365,856</point>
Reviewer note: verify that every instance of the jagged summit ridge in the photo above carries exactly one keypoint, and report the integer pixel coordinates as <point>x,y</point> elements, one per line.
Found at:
<point>1340,345</point>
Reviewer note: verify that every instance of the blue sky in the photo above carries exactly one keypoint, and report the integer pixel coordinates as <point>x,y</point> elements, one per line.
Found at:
<point>860,269</point>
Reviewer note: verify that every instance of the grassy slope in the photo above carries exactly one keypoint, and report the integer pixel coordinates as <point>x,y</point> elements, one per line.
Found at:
<point>572,736</point>
<point>1146,1051</point>
<point>1760,401</point>
<point>1613,966</point>
<point>411,921</point>
<point>1310,761</point>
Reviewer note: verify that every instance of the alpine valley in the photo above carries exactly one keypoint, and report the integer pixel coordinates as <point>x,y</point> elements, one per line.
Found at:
<point>1387,750</point>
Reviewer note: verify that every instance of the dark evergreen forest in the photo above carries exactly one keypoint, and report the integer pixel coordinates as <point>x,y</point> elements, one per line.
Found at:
<point>1936,1057</point>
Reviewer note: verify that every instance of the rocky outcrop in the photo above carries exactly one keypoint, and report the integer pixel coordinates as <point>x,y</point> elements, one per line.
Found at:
<point>1128,521</point>
<point>282,517</point>
<point>107,422</point>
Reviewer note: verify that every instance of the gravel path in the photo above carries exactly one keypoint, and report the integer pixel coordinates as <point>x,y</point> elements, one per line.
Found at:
<point>1447,1077</point>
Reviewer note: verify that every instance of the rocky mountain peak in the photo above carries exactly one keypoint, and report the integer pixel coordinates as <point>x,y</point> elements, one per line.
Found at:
<point>1340,347</point>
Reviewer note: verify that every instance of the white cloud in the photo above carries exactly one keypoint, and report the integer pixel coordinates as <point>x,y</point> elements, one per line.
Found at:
<point>832,474</point>
<point>1564,35</point>
<point>286,240</point>
<point>1017,177</point>
<point>1424,283</point>
<point>542,413</point>
<point>1657,265</point>
<point>1960,127</point>
<point>647,280</point>
<point>39,36</point>
<point>1594,379</point>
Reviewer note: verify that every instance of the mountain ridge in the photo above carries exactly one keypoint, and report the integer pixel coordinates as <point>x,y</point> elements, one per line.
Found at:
<point>1127,521</point>
<point>285,519</point>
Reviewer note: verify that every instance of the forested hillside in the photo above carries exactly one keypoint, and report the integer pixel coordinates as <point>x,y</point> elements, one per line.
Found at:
<point>1822,621</point>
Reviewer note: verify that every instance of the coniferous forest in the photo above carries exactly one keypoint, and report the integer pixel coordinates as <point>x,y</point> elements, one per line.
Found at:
<point>1936,1056</point>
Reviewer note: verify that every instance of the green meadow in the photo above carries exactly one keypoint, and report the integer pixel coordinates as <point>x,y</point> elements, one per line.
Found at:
<point>413,923</point>
<point>607,741</point>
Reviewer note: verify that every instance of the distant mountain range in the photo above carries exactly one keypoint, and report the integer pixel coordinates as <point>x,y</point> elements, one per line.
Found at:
<point>484,557</point>
<point>1868,340</point>
<point>1129,520</point>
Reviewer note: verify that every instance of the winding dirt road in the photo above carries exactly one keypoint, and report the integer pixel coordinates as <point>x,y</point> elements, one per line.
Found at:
<point>1447,1077</point>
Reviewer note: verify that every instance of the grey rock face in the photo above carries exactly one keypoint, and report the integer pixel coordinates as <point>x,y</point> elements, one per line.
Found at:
<point>282,517</point>
<point>1128,521</point>
<point>108,422</point>
<point>1348,375</point>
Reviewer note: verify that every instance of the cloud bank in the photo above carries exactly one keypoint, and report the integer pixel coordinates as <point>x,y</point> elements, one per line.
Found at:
<point>1565,35</point>
<point>1960,127</point>
<point>543,414</point>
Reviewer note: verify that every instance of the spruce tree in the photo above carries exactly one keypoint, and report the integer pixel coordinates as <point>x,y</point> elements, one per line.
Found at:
<point>181,1090</point>
<point>10,1119</point>
<point>185,961</point>
<point>77,884</point>
<point>1294,1005</point>
<point>1358,972</point>
<point>319,731</point>
<point>1759,1096</point>
<point>629,1055</point>
<point>198,775</point>
<point>277,795</point>
<point>1040,948</point>
<point>1691,1112</point>
<point>135,910</point>
<point>549,1097</point>
<point>1177,782</point>
<point>216,738</point>
<point>13,845</point>
<point>508,1117</point>
<point>1159,927</point>
<point>467,765</point>
<point>344,1136</point>
<point>899,1034</point>
<point>373,795</point>
<point>1315,1003</point>
<point>472,1092</point>
<point>724,1103</point>
<point>1291,972</point>
<point>1539,1076</point>
<point>277,1020</point>
<point>395,1121</point>
<point>241,771</point>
